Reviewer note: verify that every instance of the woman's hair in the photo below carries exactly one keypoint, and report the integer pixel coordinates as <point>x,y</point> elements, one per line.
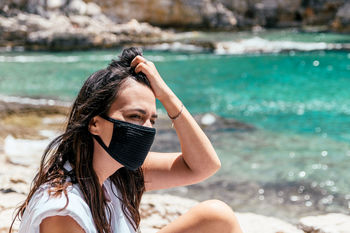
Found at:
<point>75,145</point>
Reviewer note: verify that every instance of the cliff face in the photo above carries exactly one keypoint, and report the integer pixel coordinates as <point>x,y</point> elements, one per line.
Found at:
<point>83,23</point>
<point>231,14</point>
<point>173,13</point>
<point>211,14</point>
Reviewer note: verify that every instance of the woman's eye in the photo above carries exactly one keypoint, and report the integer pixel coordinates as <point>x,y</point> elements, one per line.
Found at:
<point>135,116</point>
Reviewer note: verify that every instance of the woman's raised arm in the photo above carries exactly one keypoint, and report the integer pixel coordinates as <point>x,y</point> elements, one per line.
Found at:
<point>197,160</point>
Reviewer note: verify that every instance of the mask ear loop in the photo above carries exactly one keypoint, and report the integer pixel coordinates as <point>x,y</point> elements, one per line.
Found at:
<point>99,140</point>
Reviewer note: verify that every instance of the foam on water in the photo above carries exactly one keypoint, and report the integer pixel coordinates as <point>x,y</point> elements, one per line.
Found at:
<point>176,46</point>
<point>260,45</point>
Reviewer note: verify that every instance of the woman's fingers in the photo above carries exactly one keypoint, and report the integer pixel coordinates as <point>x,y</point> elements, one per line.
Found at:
<point>144,68</point>
<point>138,59</point>
<point>159,87</point>
<point>142,65</point>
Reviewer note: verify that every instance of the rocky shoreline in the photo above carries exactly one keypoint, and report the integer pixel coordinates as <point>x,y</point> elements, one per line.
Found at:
<point>57,25</point>
<point>76,32</point>
<point>27,128</point>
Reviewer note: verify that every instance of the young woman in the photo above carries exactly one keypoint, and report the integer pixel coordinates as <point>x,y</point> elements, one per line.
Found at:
<point>92,177</point>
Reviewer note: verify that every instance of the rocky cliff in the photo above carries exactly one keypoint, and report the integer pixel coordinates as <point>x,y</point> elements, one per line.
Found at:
<point>232,14</point>
<point>78,24</point>
<point>63,25</point>
<point>207,14</point>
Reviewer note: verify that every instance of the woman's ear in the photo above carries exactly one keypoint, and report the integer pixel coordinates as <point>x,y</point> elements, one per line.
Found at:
<point>94,126</point>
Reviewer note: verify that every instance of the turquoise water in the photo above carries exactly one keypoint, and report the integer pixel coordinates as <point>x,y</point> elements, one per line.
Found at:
<point>305,93</point>
<point>298,101</point>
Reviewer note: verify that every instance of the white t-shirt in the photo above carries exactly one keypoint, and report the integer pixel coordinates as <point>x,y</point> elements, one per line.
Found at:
<point>42,206</point>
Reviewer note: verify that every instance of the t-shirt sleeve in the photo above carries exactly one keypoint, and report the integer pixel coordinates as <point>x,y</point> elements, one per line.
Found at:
<point>44,206</point>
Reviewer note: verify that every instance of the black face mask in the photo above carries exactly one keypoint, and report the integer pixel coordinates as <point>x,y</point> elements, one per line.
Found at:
<point>130,143</point>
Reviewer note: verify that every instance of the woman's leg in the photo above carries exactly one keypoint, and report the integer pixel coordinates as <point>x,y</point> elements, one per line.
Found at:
<point>211,216</point>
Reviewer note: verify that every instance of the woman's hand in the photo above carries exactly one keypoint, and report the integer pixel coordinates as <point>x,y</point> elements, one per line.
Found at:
<point>159,87</point>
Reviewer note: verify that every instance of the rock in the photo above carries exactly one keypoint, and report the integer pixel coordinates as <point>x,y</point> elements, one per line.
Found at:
<point>77,7</point>
<point>218,16</point>
<point>253,223</point>
<point>17,180</point>
<point>238,6</point>
<point>344,13</point>
<point>211,122</point>
<point>214,14</point>
<point>273,13</point>
<point>92,9</point>
<point>319,12</point>
<point>266,12</point>
<point>17,105</point>
<point>159,210</point>
<point>55,4</point>
<point>11,200</point>
<point>34,22</point>
<point>36,7</point>
<point>133,27</point>
<point>221,14</point>
<point>208,119</point>
<point>80,21</point>
<point>41,32</point>
<point>74,32</point>
<point>6,217</point>
<point>171,13</point>
<point>329,223</point>
<point>342,19</point>
<point>24,152</point>
<point>6,5</point>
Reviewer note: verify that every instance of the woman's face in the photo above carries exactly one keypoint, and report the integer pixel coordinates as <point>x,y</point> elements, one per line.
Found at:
<point>135,103</point>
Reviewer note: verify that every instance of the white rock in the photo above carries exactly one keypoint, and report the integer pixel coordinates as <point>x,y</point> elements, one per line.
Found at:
<point>80,20</point>
<point>208,119</point>
<point>77,7</point>
<point>24,151</point>
<point>11,200</point>
<point>329,223</point>
<point>92,9</point>
<point>62,21</point>
<point>6,217</point>
<point>55,4</point>
<point>48,133</point>
<point>34,22</point>
<point>53,120</point>
<point>159,210</point>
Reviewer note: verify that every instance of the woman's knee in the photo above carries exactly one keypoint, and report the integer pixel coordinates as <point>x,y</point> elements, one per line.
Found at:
<point>206,217</point>
<point>218,212</point>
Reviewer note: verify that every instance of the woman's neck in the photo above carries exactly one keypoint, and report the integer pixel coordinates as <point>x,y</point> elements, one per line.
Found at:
<point>103,164</point>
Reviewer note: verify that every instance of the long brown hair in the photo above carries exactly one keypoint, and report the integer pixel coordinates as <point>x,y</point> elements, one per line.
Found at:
<point>75,145</point>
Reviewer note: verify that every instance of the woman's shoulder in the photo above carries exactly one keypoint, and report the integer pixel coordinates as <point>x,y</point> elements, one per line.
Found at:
<point>46,196</point>
<point>44,204</point>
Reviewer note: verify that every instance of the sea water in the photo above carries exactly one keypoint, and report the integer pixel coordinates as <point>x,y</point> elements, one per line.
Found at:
<point>295,162</point>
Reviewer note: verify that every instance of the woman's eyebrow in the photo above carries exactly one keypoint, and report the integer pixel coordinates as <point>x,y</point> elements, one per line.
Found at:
<point>142,111</point>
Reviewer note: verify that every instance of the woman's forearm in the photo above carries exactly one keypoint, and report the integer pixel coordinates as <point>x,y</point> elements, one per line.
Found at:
<point>197,150</point>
